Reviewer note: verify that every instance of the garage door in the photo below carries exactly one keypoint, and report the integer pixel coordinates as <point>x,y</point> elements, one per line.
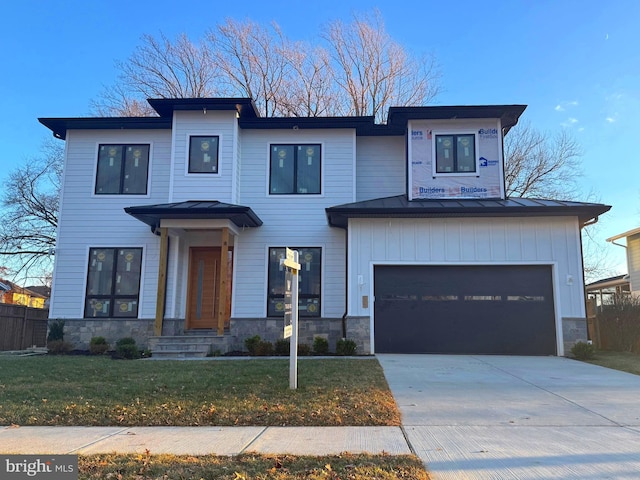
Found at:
<point>464,309</point>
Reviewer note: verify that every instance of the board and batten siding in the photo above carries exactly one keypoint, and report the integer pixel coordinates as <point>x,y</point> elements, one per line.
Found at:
<point>468,241</point>
<point>292,220</point>
<point>633,262</point>
<point>381,164</point>
<point>203,186</point>
<point>88,220</point>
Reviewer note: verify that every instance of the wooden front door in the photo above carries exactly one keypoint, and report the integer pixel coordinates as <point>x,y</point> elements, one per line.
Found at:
<point>203,290</point>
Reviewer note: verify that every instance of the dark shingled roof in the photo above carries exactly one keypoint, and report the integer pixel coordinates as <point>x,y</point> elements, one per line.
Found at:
<point>400,207</point>
<point>195,209</point>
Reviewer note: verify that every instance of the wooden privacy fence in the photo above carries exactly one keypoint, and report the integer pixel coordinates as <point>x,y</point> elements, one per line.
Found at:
<point>22,327</point>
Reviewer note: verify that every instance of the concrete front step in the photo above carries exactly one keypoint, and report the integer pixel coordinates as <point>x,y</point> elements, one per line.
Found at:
<point>185,346</point>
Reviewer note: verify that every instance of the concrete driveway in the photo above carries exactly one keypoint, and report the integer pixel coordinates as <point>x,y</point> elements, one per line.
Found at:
<point>502,417</point>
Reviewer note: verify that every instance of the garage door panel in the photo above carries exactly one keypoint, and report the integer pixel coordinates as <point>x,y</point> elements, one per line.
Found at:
<point>481,310</point>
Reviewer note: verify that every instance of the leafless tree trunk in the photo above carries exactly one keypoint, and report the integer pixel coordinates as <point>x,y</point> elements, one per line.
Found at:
<point>252,62</point>
<point>160,68</point>
<point>541,166</point>
<point>309,85</point>
<point>374,71</point>
<point>359,71</point>
<point>29,218</point>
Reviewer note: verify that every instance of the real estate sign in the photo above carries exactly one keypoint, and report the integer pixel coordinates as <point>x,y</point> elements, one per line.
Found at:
<point>292,269</point>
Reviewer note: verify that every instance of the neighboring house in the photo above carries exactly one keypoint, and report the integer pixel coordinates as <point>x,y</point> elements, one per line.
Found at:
<point>4,288</point>
<point>173,226</point>
<point>609,290</point>
<point>11,293</point>
<point>632,246</point>
<point>42,290</point>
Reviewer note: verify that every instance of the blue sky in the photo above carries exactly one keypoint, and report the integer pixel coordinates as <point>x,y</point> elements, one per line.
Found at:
<point>575,63</point>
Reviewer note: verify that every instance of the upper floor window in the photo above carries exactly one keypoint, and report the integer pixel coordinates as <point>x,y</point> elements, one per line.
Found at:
<point>309,286</point>
<point>295,169</point>
<point>122,170</point>
<point>203,154</point>
<point>113,282</point>
<point>455,153</point>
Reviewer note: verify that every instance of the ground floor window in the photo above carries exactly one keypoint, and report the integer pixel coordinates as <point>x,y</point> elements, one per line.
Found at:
<point>113,282</point>
<point>309,283</point>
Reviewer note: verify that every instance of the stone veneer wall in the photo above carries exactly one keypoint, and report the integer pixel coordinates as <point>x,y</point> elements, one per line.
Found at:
<point>79,331</point>
<point>574,330</point>
<point>271,329</point>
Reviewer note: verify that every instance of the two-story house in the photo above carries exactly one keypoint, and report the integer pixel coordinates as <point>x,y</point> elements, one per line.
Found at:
<point>173,226</point>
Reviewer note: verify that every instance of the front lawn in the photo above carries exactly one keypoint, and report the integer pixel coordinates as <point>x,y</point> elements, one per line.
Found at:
<point>625,361</point>
<point>252,466</point>
<point>79,390</point>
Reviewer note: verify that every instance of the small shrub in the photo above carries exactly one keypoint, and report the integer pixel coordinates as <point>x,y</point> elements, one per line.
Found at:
<point>98,346</point>
<point>126,341</point>
<point>304,349</point>
<point>59,347</point>
<point>264,348</point>
<point>214,352</point>
<point>583,351</point>
<point>126,348</point>
<point>283,346</point>
<point>251,344</point>
<point>345,347</point>
<point>320,346</point>
<point>56,330</point>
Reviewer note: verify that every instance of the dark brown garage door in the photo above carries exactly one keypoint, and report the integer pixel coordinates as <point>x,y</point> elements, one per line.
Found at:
<point>464,309</point>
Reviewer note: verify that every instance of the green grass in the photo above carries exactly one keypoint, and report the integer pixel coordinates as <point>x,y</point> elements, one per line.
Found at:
<point>79,390</point>
<point>624,361</point>
<point>251,466</point>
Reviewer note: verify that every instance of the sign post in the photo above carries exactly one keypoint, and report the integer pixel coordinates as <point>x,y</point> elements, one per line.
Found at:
<point>292,268</point>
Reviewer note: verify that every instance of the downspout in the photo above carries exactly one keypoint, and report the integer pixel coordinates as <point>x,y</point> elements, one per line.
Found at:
<point>592,221</point>
<point>346,277</point>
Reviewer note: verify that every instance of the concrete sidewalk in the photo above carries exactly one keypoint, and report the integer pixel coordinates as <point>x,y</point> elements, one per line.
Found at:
<point>203,440</point>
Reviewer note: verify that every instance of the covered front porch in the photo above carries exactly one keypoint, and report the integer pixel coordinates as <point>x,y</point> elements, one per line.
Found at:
<point>195,266</point>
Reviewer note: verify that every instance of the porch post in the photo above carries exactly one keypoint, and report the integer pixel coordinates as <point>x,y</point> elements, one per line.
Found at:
<point>162,281</point>
<point>222,281</point>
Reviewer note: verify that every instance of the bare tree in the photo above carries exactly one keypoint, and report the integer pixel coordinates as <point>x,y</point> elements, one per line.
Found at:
<point>359,70</point>
<point>252,61</point>
<point>374,71</point>
<point>29,218</point>
<point>310,86</point>
<point>541,165</point>
<point>160,68</point>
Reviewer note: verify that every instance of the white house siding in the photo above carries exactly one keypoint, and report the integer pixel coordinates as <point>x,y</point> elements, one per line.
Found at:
<point>633,261</point>
<point>380,167</point>
<point>549,240</point>
<point>89,220</point>
<point>292,220</point>
<point>199,186</point>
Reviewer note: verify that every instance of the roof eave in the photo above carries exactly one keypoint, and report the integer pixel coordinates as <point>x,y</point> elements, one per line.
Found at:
<point>629,233</point>
<point>339,217</point>
<point>241,216</point>
<point>60,126</point>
